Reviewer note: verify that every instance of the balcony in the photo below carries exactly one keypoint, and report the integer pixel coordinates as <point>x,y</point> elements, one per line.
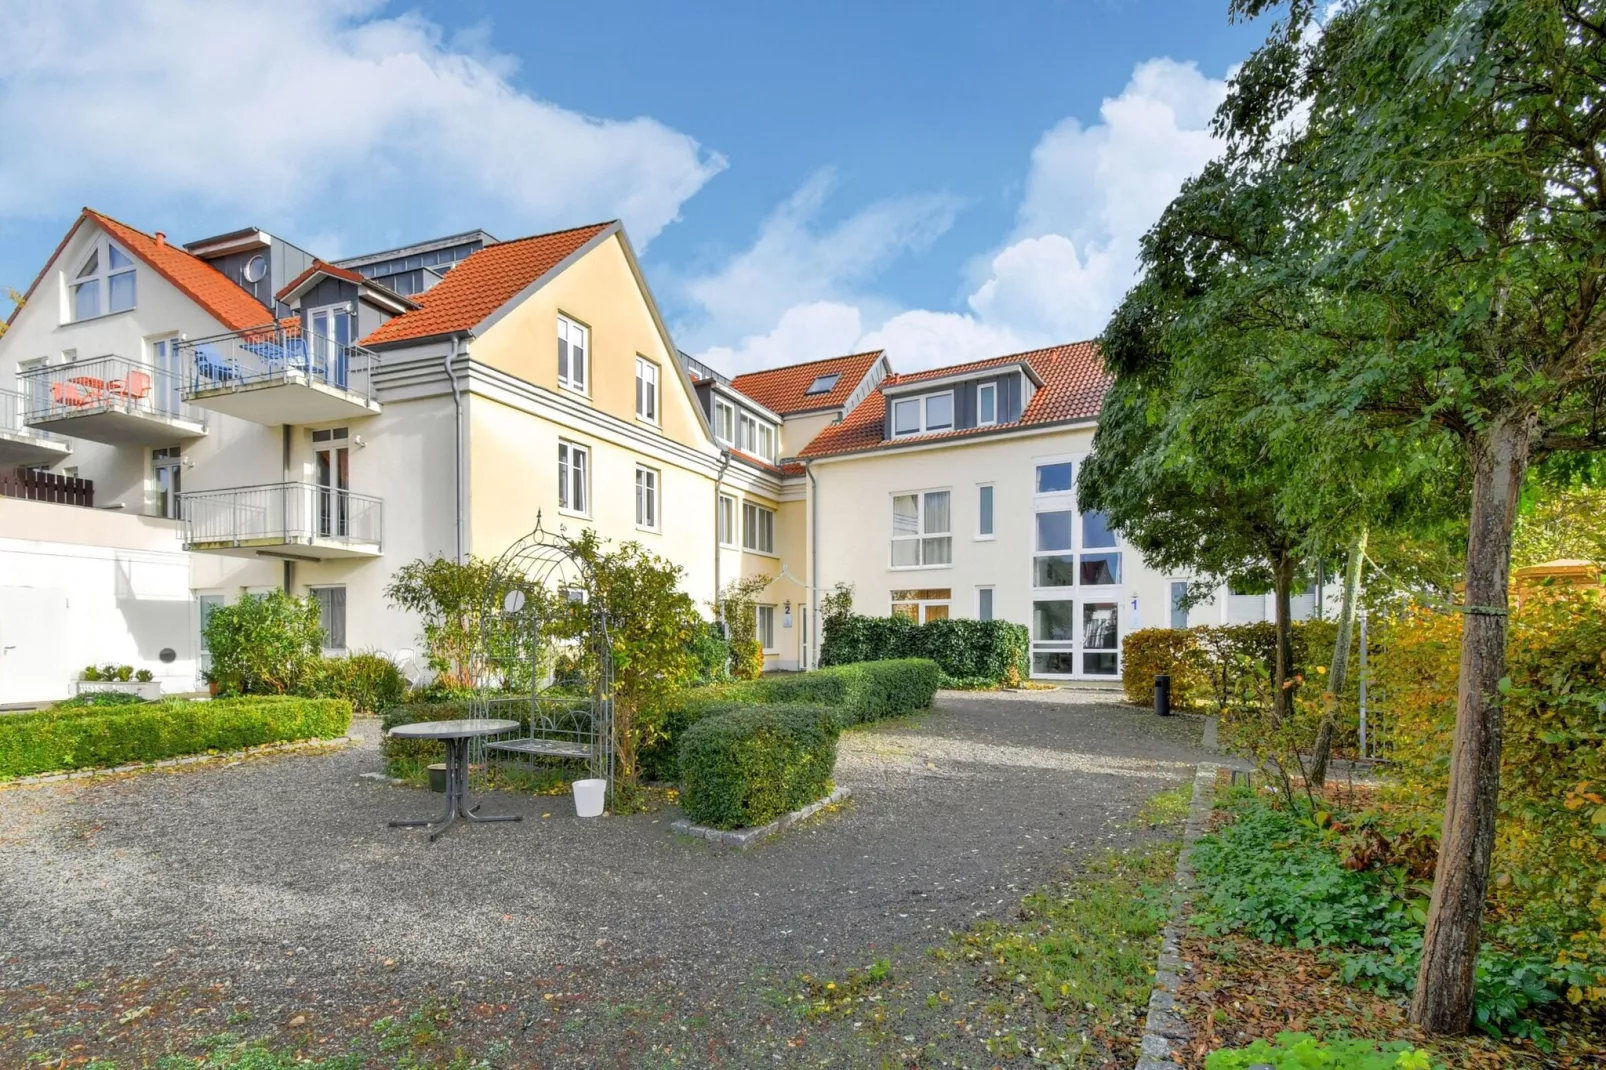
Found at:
<point>109,399</point>
<point>295,520</point>
<point>279,375</point>
<point>22,446</point>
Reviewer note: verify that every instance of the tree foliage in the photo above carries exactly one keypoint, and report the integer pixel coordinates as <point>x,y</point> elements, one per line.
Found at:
<point>267,644</point>
<point>738,608</point>
<point>459,605</point>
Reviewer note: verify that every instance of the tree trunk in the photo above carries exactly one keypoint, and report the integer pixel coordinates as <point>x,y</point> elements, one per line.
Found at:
<point>1282,703</point>
<point>1339,670</point>
<point>1442,1002</point>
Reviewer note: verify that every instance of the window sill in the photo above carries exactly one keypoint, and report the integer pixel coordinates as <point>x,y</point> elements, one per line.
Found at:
<point>729,546</point>
<point>97,319</point>
<point>984,538</point>
<point>575,391</point>
<point>919,568</point>
<point>574,513</point>
<point>649,531</point>
<point>645,422</point>
<point>760,553</point>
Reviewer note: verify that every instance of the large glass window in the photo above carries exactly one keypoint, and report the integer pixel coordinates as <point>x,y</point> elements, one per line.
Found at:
<point>921,530</point>
<point>1099,638</point>
<point>758,528</point>
<point>1100,570</point>
<point>1096,531</point>
<point>574,354</point>
<point>922,604</point>
<point>104,282</point>
<point>912,416</point>
<point>1054,478</point>
<point>1054,530</point>
<point>1055,570</point>
<point>573,469</point>
<point>1054,621</point>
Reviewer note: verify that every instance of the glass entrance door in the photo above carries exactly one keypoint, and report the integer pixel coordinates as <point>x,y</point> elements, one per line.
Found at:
<point>169,383</point>
<point>330,344</point>
<point>333,472</point>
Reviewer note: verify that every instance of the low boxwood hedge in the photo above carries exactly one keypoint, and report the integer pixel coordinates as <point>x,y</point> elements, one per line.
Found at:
<point>89,738</point>
<point>750,765</point>
<point>863,691</point>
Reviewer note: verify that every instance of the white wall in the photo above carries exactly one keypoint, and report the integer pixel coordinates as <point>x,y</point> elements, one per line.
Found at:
<point>81,586</point>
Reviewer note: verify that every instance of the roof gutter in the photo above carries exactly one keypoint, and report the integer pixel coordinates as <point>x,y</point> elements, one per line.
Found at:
<point>814,564</point>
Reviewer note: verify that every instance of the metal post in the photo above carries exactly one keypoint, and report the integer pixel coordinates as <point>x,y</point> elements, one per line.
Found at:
<point>1162,695</point>
<point>1364,752</point>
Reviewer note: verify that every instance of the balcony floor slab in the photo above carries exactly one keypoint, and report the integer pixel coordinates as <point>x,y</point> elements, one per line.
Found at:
<point>292,399</point>
<point>300,549</point>
<point>20,449</point>
<point>117,426</point>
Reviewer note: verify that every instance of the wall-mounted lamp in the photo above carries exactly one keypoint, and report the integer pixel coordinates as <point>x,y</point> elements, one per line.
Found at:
<point>189,462</point>
<point>356,440</point>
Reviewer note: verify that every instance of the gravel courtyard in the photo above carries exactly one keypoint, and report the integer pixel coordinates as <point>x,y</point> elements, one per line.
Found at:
<point>267,897</point>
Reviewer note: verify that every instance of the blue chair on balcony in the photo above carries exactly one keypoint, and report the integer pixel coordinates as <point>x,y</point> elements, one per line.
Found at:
<point>213,366</point>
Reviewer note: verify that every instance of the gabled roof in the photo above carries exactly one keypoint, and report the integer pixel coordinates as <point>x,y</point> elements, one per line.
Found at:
<point>319,267</point>
<point>1074,382</point>
<point>785,390</point>
<point>383,294</point>
<point>198,280</point>
<point>483,283</point>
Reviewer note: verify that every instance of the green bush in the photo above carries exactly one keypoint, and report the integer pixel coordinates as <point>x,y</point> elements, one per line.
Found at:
<point>713,654</point>
<point>861,692</point>
<point>98,700</point>
<point>89,737</point>
<point>749,766</point>
<point>369,681</point>
<point>264,644</point>
<point>403,755</point>
<point>963,649</point>
<point>1221,665</point>
<point>1300,1051</point>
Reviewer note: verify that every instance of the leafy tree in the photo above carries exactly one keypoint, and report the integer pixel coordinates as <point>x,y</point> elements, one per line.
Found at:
<point>1446,277</point>
<point>738,609</point>
<point>652,630</point>
<point>460,606</point>
<point>1561,523</point>
<point>837,604</point>
<point>268,644</point>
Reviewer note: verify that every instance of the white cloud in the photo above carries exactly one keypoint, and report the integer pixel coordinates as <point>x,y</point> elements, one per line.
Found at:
<point>281,109</point>
<point>1090,194</point>
<point>804,332</point>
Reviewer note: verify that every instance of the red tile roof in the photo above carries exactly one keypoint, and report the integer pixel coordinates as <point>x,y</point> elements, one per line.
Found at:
<point>483,283</point>
<point>319,267</point>
<point>198,280</point>
<point>756,462</point>
<point>1074,382</point>
<point>782,390</point>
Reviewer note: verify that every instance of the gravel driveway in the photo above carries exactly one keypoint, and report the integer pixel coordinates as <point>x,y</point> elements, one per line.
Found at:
<point>269,896</point>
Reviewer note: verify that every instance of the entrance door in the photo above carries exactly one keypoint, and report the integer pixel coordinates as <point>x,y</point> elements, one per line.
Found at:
<point>33,653</point>
<point>334,481</point>
<point>330,343</point>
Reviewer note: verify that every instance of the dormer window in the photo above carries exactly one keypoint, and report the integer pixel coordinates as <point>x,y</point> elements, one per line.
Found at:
<point>823,384</point>
<point>923,415</point>
<point>104,282</point>
<point>986,404</point>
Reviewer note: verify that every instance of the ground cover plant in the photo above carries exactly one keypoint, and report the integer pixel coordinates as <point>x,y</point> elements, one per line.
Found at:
<point>89,737</point>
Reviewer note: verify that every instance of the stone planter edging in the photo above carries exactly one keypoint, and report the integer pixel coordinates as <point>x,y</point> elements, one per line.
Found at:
<point>742,839</point>
<point>1164,1031</point>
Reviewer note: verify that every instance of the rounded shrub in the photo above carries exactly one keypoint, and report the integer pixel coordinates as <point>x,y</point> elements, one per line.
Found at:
<point>749,766</point>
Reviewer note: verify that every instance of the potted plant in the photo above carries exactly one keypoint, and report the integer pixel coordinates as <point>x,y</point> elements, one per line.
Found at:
<point>121,678</point>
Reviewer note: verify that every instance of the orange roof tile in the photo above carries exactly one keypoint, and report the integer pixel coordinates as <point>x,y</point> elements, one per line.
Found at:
<point>198,280</point>
<point>483,283</point>
<point>320,267</point>
<point>1074,382</point>
<point>782,390</point>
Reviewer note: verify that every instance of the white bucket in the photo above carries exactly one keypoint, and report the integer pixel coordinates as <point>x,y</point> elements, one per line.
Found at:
<point>588,797</point>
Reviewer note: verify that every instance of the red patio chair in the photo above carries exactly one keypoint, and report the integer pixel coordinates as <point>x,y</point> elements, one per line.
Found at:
<point>68,394</point>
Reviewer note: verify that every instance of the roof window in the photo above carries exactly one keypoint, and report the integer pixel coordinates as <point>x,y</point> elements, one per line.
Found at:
<point>823,384</point>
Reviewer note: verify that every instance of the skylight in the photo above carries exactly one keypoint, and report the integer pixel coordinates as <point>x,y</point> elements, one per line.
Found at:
<point>823,384</point>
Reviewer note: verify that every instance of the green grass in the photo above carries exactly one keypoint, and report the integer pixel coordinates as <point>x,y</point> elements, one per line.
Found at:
<point>1167,809</point>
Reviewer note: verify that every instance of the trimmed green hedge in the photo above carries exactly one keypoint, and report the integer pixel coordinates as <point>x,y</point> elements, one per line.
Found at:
<point>964,649</point>
<point>749,766</point>
<point>90,738</point>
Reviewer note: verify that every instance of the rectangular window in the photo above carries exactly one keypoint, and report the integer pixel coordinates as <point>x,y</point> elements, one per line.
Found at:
<point>1054,530</point>
<point>758,528</point>
<point>1058,570</point>
<point>573,482</point>
<point>646,390</point>
<point>986,404</point>
<point>766,442</point>
<point>1100,570</point>
<point>727,520</point>
<point>724,422</point>
<point>1096,532</point>
<point>1054,478</point>
<point>766,627</point>
<point>1099,638</point>
<point>574,354</point>
<point>168,468</point>
<point>934,412</point>
<point>1179,611</point>
<point>646,498</point>
<point>922,605</point>
<point>921,530</point>
<point>1054,621</point>
<point>984,603</point>
<point>331,615</point>
<point>984,511</point>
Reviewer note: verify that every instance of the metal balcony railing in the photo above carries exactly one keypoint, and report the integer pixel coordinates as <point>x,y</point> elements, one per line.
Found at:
<point>266,355</point>
<point>13,417</point>
<point>101,384</point>
<point>304,513</point>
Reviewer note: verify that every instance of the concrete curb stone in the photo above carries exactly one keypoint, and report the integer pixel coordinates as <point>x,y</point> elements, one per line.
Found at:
<point>742,839</point>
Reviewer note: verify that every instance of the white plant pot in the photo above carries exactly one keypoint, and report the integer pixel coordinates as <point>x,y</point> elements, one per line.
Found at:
<point>589,796</point>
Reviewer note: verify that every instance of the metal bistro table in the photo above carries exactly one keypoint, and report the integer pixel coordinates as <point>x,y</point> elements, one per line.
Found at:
<point>455,734</point>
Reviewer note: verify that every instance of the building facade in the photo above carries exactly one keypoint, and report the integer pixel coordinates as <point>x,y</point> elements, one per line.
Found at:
<point>236,415</point>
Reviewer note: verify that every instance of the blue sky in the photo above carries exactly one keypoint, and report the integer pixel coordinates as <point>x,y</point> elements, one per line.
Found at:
<point>949,180</point>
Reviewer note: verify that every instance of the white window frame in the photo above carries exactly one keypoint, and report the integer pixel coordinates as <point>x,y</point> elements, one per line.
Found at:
<point>765,641</point>
<point>646,390</point>
<point>749,530</point>
<point>101,280</point>
<point>920,534</point>
<point>992,609</point>
<point>989,514</point>
<point>567,328</point>
<point>345,616</point>
<point>922,606</point>
<point>992,390</point>
<point>568,454</point>
<point>724,422</point>
<point>765,443</point>
<point>647,494</point>
<point>925,401</point>
<point>1076,594</point>
<point>726,521</point>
